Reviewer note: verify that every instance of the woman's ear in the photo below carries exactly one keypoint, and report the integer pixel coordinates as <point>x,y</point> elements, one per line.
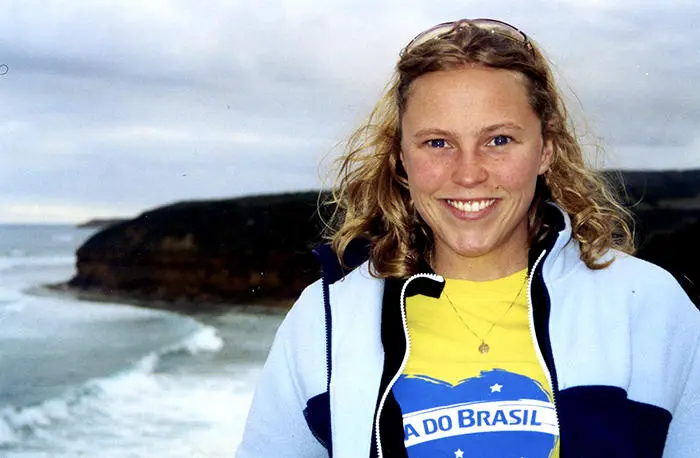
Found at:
<point>546,157</point>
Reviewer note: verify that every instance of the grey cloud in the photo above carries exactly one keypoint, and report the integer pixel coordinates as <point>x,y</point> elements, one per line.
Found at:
<point>132,104</point>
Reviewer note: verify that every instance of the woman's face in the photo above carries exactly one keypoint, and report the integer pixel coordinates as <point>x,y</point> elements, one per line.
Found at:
<point>472,148</point>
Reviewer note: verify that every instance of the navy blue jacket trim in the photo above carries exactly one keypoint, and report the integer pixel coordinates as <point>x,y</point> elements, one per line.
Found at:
<point>355,254</point>
<point>318,417</point>
<point>602,421</point>
<point>391,420</point>
<point>318,409</point>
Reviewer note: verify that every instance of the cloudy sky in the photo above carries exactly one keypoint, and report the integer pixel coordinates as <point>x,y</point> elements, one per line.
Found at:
<point>113,107</point>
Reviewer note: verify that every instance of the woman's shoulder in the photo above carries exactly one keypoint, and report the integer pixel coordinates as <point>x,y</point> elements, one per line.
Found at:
<point>646,285</point>
<point>647,275</point>
<point>358,285</point>
<point>639,270</point>
<point>353,284</point>
<point>623,270</point>
<point>639,284</point>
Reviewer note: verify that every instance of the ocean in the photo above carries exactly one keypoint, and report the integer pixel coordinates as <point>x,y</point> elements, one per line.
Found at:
<point>84,379</point>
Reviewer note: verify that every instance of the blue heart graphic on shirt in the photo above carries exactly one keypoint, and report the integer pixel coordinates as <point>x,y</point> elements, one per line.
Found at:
<point>496,438</point>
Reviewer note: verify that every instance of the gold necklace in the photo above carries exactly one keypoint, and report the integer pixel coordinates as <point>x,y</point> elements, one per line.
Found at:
<point>484,347</point>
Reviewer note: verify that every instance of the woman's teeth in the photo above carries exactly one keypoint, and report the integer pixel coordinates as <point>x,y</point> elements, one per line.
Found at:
<point>472,205</point>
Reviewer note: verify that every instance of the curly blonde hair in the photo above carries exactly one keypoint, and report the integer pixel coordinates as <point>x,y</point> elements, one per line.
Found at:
<point>371,195</point>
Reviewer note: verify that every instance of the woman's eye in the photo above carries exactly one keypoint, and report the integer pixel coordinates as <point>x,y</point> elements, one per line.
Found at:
<point>500,140</point>
<point>437,143</point>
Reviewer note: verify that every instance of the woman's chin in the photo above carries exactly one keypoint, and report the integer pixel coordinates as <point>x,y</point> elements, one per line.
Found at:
<point>468,251</point>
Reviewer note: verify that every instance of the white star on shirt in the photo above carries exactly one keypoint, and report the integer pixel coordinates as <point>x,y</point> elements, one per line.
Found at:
<point>459,453</point>
<point>496,388</point>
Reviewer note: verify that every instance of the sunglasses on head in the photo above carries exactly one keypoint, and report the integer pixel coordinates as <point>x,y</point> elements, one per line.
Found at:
<point>489,25</point>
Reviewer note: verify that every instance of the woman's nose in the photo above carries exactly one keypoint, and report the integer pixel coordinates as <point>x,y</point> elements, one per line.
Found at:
<point>469,168</point>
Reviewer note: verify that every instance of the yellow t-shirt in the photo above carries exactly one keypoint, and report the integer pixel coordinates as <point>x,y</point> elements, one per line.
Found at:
<point>458,402</point>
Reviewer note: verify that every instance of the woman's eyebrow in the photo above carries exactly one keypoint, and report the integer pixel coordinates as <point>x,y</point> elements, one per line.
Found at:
<point>434,131</point>
<point>499,126</point>
<point>449,133</point>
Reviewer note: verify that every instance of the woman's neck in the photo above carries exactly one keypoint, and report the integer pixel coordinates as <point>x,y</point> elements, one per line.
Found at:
<point>491,266</point>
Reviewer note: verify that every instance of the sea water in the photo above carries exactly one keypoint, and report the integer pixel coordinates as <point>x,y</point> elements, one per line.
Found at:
<point>83,379</point>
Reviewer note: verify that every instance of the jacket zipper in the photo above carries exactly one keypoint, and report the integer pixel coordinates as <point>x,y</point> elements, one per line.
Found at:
<point>329,362</point>
<point>533,335</point>
<point>326,305</point>
<point>435,277</point>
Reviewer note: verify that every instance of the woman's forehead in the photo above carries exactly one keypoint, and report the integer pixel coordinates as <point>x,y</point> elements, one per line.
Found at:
<point>469,94</point>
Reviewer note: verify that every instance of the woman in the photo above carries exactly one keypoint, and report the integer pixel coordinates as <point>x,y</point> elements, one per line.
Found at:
<point>487,304</point>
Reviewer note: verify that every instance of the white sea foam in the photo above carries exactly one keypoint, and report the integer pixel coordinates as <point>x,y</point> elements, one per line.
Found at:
<point>110,396</point>
<point>10,303</point>
<point>173,417</point>
<point>15,307</point>
<point>206,339</point>
<point>10,262</point>
<point>9,295</point>
<point>17,423</point>
<point>7,433</point>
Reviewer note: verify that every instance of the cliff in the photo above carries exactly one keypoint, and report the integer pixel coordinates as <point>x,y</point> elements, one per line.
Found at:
<point>662,202</point>
<point>257,250</point>
<point>247,250</point>
<point>679,253</point>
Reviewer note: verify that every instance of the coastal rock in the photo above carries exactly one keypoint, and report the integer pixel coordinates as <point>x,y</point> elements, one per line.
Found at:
<point>245,250</point>
<point>678,252</point>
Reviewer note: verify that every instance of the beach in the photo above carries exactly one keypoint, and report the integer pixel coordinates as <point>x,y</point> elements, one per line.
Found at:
<point>80,378</point>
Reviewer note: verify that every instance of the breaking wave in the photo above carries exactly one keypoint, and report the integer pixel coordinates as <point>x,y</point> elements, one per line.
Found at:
<point>20,422</point>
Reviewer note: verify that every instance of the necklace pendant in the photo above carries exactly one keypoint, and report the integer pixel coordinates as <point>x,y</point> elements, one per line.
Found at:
<point>484,348</point>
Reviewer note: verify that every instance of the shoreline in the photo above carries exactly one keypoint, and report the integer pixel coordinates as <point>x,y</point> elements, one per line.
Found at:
<point>183,307</point>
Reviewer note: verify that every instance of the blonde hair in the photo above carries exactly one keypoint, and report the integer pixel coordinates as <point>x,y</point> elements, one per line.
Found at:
<point>371,195</point>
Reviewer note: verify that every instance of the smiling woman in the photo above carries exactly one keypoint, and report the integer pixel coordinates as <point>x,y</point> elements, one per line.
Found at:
<point>479,295</point>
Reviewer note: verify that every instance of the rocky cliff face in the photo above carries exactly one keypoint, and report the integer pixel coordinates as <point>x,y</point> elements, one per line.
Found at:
<point>247,250</point>
<point>258,249</point>
<point>663,202</point>
<point>679,253</point>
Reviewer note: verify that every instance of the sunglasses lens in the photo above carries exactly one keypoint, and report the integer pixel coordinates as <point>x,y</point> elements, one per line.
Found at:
<point>434,32</point>
<point>490,25</point>
<point>499,27</point>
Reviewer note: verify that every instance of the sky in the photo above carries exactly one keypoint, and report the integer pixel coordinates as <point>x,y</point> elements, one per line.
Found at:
<point>110,108</point>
